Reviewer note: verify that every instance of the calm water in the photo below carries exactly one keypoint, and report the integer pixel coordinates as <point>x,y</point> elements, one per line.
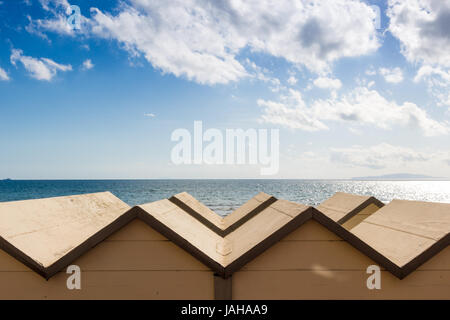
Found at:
<point>223,196</point>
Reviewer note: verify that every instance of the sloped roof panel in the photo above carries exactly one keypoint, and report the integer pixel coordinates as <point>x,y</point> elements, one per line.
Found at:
<point>45,230</point>
<point>186,227</point>
<point>403,230</point>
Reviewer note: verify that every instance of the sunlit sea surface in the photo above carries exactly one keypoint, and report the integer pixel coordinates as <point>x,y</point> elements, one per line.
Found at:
<point>223,196</point>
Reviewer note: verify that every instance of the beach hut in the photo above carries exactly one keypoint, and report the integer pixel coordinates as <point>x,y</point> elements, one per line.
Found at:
<point>178,248</point>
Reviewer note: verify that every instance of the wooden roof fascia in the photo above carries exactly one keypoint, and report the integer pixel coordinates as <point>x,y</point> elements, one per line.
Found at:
<point>222,229</point>
<point>365,204</point>
<point>23,258</point>
<point>222,267</point>
<point>248,215</point>
<point>91,242</point>
<point>104,212</point>
<point>341,207</point>
<point>179,240</point>
<point>194,213</point>
<point>356,242</point>
<point>299,214</point>
<point>423,229</point>
<point>64,261</point>
<point>140,213</point>
<point>262,246</point>
<point>369,251</point>
<point>426,255</point>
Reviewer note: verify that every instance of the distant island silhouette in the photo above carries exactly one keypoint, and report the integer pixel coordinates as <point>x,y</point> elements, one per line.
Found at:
<point>401,176</point>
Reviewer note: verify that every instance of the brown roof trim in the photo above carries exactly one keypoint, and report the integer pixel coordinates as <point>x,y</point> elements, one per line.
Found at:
<point>178,240</point>
<point>268,242</point>
<point>264,205</point>
<point>22,257</point>
<point>211,225</point>
<point>354,212</point>
<point>91,242</point>
<point>64,261</point>
<point>227,270</point>
<point>183,206</point>
<point>399,272</point>
<point>425,256</point>
<point>138,212</point>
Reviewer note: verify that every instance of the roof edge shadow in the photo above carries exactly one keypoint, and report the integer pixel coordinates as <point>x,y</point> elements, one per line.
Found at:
<point>261,207</point>
<point>188,209</point>
<point>358,209</point>
<point>212,226</point>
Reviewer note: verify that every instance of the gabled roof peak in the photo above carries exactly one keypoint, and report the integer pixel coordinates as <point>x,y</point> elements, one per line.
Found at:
<point>222,225</point>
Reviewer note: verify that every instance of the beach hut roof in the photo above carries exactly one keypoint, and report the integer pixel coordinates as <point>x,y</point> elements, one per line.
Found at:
<point>224,243</point>
<point>400,236</point>
<point>407,232</point>
<point>48,234</point>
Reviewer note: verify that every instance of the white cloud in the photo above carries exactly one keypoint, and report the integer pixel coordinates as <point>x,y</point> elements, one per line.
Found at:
<point>362,107</point>
<point>394,75</point>
<point>150,115</point>
<point>292,80</point>
<point>427,71</point>
<point>263,74</point>
<point>87,64</point>
<point>291,112</point>
<point>3,75</point>
<point>39,68</point>
<point>379,156</point>
<point>203,42</point>
<point>423,29</point>
<point>438,82</point>
<point>422,26</point>
<point>328,83</point>
<point>371,71</point>
<point>58,25</point>
<point>50,5</point>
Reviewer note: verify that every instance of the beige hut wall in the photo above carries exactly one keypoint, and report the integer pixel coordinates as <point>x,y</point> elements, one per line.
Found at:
<point>134,263</point>
<point>313,263</point>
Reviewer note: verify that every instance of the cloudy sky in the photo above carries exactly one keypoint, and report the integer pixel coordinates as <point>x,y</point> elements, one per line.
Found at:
<point>353,93</point>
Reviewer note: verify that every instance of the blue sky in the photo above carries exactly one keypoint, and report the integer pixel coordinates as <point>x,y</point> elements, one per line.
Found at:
<point>349,98</point>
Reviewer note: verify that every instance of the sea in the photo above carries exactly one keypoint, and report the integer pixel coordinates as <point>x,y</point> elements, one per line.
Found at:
<point>224,196</point>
